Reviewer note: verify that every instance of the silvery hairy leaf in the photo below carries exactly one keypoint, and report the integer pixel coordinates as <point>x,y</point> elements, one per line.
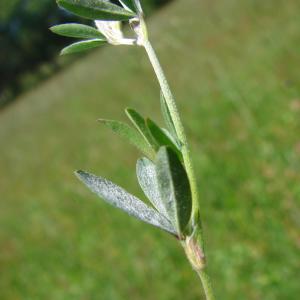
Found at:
<point>96,10</point>
<point>130,134</point>
<point>82,46</point>
<point>174,188</point>
<point>147,178</point>
<point>77,31</point>
<point>120,198</point>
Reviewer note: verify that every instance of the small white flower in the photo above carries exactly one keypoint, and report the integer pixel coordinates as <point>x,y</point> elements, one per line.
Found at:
<point>112,31</point>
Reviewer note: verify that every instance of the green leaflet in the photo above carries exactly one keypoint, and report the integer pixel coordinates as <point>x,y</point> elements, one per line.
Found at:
<point>140,124</point>
<point>77,31</point>
<point>130,4</point>
<point>147,178</point>
<point>175,141</point>
<point>167,116</point>
<point>82,46</point>
<point>96,9</point>
<point>161,137</point>
<point>174,188</point>
<point>120,198</point>
<point>130,134</point>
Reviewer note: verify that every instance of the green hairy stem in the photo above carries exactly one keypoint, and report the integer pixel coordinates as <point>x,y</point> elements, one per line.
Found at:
<point>206,283</point>
<point>177,123</point>
<point>190,251</point>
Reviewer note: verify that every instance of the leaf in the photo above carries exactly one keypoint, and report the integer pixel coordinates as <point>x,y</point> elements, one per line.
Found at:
<point>167,116</point>
<point>174,188</point>
<point>140,124</point>
<point>161,137</point>
<point>147,178</point>
<point>134,5</point>
<point>129,134</point>
<point>82,46</point>
<point>77,31</point>
<point>96,9</point>
<point>175,141</point>
<point>120,198</point>
<point>130,4</point>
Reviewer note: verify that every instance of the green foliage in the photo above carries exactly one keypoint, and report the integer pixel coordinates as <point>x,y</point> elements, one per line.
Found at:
<point>96,9</point>
<point>130,4</point>
<point>167,195</point>
<point>82,46</point>
<point>140,124</point>
<point>129,134</point>
<point>119,198</point>
<point>167,116</point>
<point>174,188</point>
<point>147,177</point>
<point>162,137</point>
<point>77,31</point>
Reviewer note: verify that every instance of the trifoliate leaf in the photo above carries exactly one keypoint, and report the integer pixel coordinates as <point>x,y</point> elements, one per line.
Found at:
<point>130,134</point>
<point>161,137</point>
<point>140,124</point>
<point>96,9</point>
<point>77,31</point>
<point>174,188</point>
<point>147,178</point>
<point>120,198</point>
<point>82,46</point>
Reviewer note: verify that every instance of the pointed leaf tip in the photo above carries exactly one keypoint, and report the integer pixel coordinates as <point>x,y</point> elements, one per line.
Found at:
<point>130,134</point>
<point>118,197</point>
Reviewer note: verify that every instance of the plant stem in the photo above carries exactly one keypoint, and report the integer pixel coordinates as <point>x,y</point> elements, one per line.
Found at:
<point>206,283</point>
<point>205,280</point>
<point>177,123</point>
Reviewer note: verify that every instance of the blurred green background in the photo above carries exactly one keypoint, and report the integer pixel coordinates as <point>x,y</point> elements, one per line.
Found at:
<point>234,68</point>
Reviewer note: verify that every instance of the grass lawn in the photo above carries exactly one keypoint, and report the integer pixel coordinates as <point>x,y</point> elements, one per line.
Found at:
<point>234,68</point>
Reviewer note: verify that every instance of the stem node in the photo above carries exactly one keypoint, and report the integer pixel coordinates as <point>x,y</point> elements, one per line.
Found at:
<point>195,254</point>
